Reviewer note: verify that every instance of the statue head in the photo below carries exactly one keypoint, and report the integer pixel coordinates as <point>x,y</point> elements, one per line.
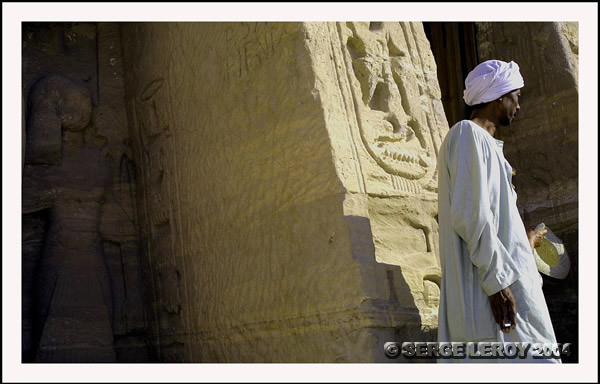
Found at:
<point>54,103</point>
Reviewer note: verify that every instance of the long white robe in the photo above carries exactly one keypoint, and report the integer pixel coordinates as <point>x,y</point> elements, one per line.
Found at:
<point>484,246</point>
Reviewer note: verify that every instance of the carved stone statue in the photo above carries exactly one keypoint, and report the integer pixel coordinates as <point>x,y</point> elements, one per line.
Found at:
<point>66,176</point>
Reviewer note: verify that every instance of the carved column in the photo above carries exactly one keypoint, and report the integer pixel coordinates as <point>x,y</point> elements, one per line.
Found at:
<point>287,179</point>
<point>383,110</point>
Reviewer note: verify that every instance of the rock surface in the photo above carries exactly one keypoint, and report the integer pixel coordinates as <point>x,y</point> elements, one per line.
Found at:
<point>261,192</point>
<point>287,187</point>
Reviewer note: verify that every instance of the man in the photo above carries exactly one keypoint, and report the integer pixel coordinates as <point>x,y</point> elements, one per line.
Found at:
<point>491,290</point>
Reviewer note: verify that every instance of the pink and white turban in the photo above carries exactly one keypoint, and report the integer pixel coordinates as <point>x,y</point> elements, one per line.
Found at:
<point>490,80</point>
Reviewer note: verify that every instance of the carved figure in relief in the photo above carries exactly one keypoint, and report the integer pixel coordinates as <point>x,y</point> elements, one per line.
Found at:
<point>66,175</point>
<point>395,114</point>
<point>156,141</point>
<point>391,123</point>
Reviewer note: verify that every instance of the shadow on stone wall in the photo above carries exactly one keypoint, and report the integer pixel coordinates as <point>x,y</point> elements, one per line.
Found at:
<point>81,280</point>
<point>389,301</point>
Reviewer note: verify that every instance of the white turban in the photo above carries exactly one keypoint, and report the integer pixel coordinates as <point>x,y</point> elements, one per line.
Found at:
<point>490,80</point>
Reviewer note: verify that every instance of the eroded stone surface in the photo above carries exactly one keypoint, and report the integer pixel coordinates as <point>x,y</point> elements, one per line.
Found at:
<point>384,95</point>
<point>240,200</point>
<point>283,176</point>
<point>265,181</point>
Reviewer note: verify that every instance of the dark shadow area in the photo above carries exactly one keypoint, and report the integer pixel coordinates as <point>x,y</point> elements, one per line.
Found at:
<point>390,299</point>
<point>454,49</point>
<point>562,299</point>
<point>82,299</point>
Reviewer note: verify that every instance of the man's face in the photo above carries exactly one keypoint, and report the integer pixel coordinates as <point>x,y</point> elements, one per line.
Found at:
<point>510,107</point>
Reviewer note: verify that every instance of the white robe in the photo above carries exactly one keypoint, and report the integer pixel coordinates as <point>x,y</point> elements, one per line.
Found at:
<point>484,246</point>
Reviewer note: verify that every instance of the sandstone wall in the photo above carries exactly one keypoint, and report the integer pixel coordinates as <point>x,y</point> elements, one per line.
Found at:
<point>383,109</point>
<point>286,187</point>
<point>283,176</point>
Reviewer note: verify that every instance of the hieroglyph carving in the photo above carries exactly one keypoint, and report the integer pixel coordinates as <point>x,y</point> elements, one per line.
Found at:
<point>393,88</point>
<point>401,124</point>
<point>160,203</point>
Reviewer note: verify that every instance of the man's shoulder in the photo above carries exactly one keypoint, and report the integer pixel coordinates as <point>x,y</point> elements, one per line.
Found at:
<point>461,128</point>
<point>468,128</point>
<point>466,134</point>
<point>463,124</point>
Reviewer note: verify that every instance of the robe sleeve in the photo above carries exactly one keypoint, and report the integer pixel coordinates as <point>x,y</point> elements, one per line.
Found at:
<point>471,216</point>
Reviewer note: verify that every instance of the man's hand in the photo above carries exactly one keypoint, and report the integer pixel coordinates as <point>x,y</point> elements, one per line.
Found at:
<point>535,238</point>
<point>504,308</point>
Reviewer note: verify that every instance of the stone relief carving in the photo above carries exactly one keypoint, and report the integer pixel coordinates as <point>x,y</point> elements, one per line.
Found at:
<point>119,231</point>
<point>67,175</point>
<point>152,119</point>
<point>81,270</point>
<point>397,123</point>
<point>401,123</point>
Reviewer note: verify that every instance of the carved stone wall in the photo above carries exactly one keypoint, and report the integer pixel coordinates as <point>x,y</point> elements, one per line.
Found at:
<point>283,176</point>
<point>286,187</point>
<point>382,93</point>
<point>82,293</point>
<point>542,142</point>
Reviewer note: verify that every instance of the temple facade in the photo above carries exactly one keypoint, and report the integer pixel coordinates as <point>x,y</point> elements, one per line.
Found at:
<point>266,192</point>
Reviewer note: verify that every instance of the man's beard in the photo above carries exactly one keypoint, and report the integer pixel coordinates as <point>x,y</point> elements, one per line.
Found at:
<point>505,121</point>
